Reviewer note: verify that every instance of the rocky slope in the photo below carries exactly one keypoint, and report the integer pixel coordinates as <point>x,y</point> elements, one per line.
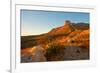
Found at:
<point>69,42</point>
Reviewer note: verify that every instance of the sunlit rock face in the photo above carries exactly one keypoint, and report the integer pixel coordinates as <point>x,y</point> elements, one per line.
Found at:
<point>66,28</point>
<point>74,37</point>
<point>36,55</point>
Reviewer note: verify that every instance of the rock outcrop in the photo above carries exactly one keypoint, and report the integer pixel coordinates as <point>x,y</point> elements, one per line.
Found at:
<point>36,55</point>
<point>75,53</point>
<point>62,30</point>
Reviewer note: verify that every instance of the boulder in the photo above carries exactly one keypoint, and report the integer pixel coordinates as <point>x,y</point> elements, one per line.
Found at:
<point>36,55</point>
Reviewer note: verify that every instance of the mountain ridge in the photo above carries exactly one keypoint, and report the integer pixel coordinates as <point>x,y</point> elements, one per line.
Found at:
<point>59,34</point>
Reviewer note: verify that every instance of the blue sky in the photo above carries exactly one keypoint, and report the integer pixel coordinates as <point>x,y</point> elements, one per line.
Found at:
<point>37,22</point>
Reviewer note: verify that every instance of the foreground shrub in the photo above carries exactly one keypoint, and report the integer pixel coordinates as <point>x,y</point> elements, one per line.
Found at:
<point>54,52</point>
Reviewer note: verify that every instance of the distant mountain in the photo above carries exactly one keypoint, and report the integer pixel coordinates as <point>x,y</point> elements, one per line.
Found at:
<point>81,26</point>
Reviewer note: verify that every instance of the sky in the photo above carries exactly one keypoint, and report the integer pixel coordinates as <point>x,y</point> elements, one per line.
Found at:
<point>38,22</point>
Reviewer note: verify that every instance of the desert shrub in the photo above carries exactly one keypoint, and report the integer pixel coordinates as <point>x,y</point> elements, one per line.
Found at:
<point>54,52</point>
